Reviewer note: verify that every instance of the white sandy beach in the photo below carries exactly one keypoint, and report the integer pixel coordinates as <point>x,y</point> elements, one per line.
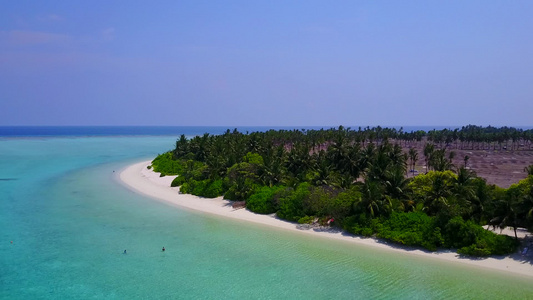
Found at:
<point>140,179</point>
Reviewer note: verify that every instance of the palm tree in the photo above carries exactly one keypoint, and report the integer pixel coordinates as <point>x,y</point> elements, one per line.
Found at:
<point>438,196</point>
<point>182,147</point>
<point>397,157</point>
<point>217,166</point>
<point>379,164</point>
<point>529,170</point>
<point>254,143</point>
<point>439,162</point>
<point>413,157</point>
<point>324,174</point>
<point>373,201</point>
<point>271,172</point>
<point>483,197</point>
<point>337,152</point>
<point>465,192</point>
<point>526,208</point>
<point>395,183</point>
<point>428,152</point>
<point>352,163</point>
<point>240,190</point>
<point>367,155</point>
<point>507,215</point>
<point>298,161</point>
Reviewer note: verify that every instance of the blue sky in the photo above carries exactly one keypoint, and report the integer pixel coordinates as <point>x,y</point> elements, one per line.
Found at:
<point>286,63</point>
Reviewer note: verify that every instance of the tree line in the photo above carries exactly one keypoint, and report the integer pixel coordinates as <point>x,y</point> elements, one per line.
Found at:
<point>356,180</point>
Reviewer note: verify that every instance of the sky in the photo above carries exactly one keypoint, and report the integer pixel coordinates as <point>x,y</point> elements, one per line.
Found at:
<point>266,63</point>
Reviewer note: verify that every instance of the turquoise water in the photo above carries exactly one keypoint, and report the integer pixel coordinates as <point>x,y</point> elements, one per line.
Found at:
<point>70,220</point>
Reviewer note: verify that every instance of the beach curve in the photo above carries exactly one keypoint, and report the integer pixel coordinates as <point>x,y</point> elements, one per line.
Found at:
<point>140,179</point>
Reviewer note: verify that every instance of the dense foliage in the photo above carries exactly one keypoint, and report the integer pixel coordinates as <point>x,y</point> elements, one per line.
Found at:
<point>166,165</point>
<point>358,179</point>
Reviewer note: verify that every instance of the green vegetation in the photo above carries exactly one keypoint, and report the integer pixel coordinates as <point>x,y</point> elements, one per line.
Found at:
<point>166,165</point>
<point>357,180</point>
<point>264,200</point>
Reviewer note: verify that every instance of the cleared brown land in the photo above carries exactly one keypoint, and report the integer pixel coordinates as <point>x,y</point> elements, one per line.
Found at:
<point>499,167</point>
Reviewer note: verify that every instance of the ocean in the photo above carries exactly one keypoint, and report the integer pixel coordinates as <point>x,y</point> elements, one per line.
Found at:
<point>65,221</point>
<point>21,131</point>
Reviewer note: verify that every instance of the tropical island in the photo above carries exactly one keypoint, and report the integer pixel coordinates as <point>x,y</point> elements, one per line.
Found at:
<point>420,189</point>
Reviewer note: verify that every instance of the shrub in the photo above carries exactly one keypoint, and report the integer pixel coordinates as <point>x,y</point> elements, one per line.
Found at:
<point>262,201</point>
<point>473,250</point>
<point>194,170</point>
<point>458,233</point>
<point>166,165</point>
<point>502,244</point>
<point>291,205</point>
<point>472,239</point>
<point>412,229</point>
<point>214,189</point>
<point>177,181</point>
<point>306,220</point>
<point>365,231</point>
<point>240,190</point>
<point>200,187</point>
<point>341,206</point>
<point>185,188</point>
<point>359,224</point>
<point>230,195</point>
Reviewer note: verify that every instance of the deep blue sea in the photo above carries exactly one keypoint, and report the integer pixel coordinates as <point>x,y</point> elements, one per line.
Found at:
<point>13,131</point>
<point>65,221</point>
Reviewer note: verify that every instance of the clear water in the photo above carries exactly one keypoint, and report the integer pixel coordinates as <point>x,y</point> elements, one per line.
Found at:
<point>70,220</point>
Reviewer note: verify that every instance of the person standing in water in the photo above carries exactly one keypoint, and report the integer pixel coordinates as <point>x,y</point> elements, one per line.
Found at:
<point>125,252</point>
<point>163,249</point>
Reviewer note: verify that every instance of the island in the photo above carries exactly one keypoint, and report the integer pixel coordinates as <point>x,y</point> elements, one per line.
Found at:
<point>422,190</point>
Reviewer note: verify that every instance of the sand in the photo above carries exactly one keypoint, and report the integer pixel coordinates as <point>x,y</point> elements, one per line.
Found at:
<point>140,179</point>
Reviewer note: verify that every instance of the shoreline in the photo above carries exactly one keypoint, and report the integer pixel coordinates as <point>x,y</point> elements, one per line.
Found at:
<point>145,181</point>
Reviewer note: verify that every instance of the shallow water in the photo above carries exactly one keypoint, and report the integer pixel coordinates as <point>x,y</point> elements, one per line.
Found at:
<point>70,221</point>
